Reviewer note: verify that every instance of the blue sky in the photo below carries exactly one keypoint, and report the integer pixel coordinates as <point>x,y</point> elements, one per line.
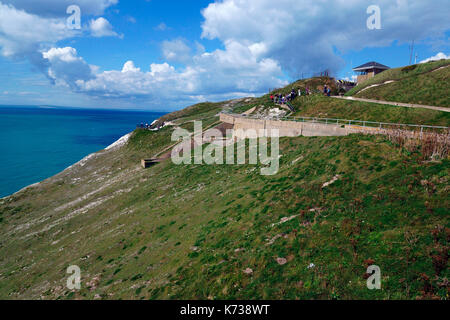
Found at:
<point>164,55</point>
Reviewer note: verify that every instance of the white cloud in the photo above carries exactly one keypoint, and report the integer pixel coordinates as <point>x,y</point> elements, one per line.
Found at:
<point>162,27</point>
<point>65,67</point>
<point>129,67</point>
<point>176,50</point>
<point>304,35</point>
<point>161,70</point>
<point>131,19</point>
<point>101,28</point>
<point>260,39</point>
<point>221,74</point>
<point>437,57</point>
<point>29,36</point>
<point>23,34</point>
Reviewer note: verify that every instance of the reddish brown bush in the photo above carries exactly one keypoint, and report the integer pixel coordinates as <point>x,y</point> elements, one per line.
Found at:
<point>432,146</point>
<point>369,262</point>
<point>440,260</point>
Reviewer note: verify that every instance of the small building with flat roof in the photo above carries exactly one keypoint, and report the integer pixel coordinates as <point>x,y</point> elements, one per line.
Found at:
<point>369,70</point>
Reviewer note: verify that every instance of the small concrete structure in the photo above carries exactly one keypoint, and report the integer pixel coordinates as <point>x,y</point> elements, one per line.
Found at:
<point>369,70</point>
<point>147,163</point>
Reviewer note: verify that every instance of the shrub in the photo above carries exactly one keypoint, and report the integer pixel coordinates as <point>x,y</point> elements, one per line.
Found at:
<point>409,68</point>
<point>433,146</point>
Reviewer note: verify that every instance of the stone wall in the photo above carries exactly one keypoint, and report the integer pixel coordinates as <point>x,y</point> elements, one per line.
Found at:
<point>286,128</point>
<point>308,129</point>
<point>227,118</point>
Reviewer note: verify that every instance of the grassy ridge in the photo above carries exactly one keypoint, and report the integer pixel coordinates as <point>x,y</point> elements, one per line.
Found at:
<point>324,107</point>
<point>191,231</point>
<point>419,84</point>
<point>372,213</point>
<point>172,231</point>
<point>414,86</point>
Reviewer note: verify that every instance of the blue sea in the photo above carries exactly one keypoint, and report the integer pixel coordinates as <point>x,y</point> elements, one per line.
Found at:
<point>37,143</point>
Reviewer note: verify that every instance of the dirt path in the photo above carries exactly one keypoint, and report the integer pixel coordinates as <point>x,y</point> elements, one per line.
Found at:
<point>398,104</point>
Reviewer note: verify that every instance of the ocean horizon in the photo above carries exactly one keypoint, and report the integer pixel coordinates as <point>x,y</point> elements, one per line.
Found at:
<point>38,142</point>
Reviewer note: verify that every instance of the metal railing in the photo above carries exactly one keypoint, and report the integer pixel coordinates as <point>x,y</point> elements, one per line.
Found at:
<point>345,122</point>
<point>363,123</point>
<point>290,106</point>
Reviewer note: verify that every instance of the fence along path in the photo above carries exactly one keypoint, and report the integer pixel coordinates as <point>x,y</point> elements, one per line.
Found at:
<point>332,121</point>
<point>397,104</point>
<point>363,123</point>
<point>309,126</point>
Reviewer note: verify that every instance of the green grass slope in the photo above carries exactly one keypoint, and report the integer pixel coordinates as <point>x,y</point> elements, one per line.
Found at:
<point>325,107</point>
<point>190,231</point>
<point>317,105</point>
<point>425,84</point>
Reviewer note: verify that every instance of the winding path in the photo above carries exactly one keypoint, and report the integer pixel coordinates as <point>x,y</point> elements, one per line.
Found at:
<point>398,104</point>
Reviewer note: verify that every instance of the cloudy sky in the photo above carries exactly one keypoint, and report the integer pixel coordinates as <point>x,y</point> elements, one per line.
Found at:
<point>167,54</point>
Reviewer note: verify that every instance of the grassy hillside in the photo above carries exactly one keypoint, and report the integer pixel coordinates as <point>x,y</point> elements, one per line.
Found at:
<point>317,105</point>
<point>191,231</point>
<point>315,85</point>
<point>325,107</point>
<point>419,84</point>
<point>199,111</point>
<point>227,232</point>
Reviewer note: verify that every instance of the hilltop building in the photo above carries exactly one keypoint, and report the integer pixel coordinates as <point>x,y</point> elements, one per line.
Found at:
<point>369,70</point>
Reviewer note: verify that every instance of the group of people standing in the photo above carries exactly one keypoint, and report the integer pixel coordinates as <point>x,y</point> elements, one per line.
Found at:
<point>280,99</point>
<point>143,126</point>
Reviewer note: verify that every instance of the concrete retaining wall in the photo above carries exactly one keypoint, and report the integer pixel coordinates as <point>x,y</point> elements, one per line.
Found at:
<point>307,129</point>
<point>384,131</point>
<point>227,118</point>
<point>286,128</point>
